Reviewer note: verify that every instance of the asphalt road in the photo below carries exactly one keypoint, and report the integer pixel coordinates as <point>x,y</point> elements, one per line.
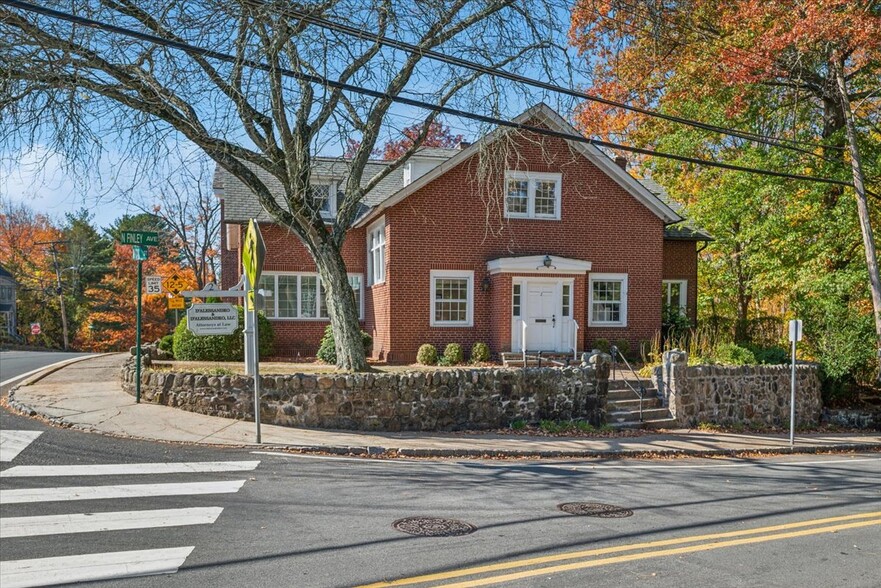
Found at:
<point>14,364</point>
<point>314,521</point>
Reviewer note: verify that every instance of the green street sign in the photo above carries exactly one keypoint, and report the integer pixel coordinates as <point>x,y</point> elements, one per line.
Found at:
<point>253,253</point>
<point>139,252</point>
<point>139,238</point>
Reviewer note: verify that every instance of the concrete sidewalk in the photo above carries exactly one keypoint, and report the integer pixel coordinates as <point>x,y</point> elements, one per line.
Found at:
<point>87,395</point>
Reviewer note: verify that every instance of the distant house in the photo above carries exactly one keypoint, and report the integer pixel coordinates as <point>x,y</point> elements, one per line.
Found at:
<point>553,246</point>
<point>8,287</point>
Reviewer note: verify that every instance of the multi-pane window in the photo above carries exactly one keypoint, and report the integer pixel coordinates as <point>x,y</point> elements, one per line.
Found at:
<point>302,296</point>
<point>674,294</point>
<point>608,299</point>
<point>532,195</point>
<point>566,309</point>
<point>515,303</point>
<point>324,197</point>
<point>452,295</point>
<point>517,200</point>
<point>376,253</point>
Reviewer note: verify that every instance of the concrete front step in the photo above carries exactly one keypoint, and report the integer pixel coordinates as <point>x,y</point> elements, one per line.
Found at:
<point>628,384</point>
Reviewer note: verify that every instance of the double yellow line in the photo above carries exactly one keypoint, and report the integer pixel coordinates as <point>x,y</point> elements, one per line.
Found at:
<point>646,550</point>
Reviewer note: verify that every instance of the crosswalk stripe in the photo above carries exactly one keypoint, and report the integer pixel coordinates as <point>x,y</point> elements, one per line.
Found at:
<point>123,469</point>
<point>14,442</point>
<point>23,495</point>
<point>50,571</point>
<point>106,521</point>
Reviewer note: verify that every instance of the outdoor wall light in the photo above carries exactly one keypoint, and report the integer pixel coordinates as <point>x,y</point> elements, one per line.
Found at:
<point>485,284</point>
<point>547,263</point>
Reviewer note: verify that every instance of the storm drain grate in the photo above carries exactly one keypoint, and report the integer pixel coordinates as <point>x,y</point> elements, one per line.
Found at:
<point>433,527</point>
<point>595,509</point>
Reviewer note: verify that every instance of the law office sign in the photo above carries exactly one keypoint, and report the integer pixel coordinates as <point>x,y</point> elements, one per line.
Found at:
<point>212,319</point>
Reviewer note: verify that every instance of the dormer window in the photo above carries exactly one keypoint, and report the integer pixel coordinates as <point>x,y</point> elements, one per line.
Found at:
<point>532,195</point>
<point>324,197</point>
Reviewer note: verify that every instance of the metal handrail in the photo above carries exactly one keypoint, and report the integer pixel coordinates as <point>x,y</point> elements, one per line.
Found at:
<point>639,393</point>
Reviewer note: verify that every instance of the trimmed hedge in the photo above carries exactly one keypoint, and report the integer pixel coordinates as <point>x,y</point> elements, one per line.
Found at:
<point>479,352</point>
<point>189,347</point>
<point>453,354</point>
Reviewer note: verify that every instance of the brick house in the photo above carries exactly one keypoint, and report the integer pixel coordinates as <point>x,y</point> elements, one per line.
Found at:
<point>516,240</point>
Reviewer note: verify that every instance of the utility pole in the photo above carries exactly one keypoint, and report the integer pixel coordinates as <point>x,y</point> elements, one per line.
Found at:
<point>58,289</point>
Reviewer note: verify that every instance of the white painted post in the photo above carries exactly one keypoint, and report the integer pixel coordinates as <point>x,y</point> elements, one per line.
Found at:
<point>794,336</point>
<point>523,340</point>
<point>575,342</point>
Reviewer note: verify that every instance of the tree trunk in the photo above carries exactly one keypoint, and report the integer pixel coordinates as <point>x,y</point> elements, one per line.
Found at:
<point>342,309</point>
<point>862,202</point>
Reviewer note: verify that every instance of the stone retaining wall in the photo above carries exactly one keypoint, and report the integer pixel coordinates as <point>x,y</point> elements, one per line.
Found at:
<point>434,400</point>
<point>738,394</point>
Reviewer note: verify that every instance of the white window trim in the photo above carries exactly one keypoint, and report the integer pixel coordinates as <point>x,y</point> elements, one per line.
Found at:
<point>469,311</point>
<point>318,297</point>
<point>333,187</point>
<point>532,178</point>
<point>624,293</point>
<point>683,294</point>
<point>377,227</point>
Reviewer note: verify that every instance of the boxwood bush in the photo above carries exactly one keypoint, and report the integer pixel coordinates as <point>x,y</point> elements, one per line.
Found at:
<point>189,347</point>
<point>454,354</point>
<point>479,352</point>
<point>327,349</point>
<point>427,354</point>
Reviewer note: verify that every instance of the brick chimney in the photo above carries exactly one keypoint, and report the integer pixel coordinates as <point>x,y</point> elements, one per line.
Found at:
<point>462,145</point>
<point>621,161</point>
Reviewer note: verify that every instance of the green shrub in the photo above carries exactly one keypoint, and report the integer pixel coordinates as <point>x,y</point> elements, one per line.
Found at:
<point>189,347</point>
<point>327,348</point>
<point>166,343</point>
<point>427,354</point>
<point>602,344</point>
<point>623,346</point>
<point>770,355</point>
<point>733,354</point>
<point>443,361</point>
<point>479,352</point>
<point>453,354</point>
<point>518,425</point>
<point>673,322</point>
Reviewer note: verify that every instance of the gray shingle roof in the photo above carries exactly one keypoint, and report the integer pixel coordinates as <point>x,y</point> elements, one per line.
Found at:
<point>683,231</point>
<point>240,204</point>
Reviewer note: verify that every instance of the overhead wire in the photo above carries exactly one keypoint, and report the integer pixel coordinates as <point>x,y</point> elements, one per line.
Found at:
<point>378,94</point>
<point>474,66</point>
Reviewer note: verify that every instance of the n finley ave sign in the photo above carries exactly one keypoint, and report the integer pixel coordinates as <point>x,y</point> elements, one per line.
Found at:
<point>212,319</point>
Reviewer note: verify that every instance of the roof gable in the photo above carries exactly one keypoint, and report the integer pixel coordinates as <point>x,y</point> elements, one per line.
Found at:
<point>543,113</point>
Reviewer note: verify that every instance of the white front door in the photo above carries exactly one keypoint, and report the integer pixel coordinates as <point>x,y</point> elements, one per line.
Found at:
<point>542,314</point>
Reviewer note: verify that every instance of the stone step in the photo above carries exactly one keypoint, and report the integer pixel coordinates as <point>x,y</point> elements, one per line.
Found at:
<point>628,394</point>
<point>627,384</point>
<point>623,416</point>
<point>662,423</point>
<point>633,404</point>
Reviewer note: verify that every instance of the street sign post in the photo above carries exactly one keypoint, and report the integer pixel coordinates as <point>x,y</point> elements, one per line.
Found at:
<point>212,319</point>
<point>795,333</point>
<point>139,240</point>
<point>154,284</point>
<point>144,238</point>
<point>253,254</point>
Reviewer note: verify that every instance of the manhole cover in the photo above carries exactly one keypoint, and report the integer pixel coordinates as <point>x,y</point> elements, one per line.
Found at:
<point>433,527</point>
<point>595,509</point>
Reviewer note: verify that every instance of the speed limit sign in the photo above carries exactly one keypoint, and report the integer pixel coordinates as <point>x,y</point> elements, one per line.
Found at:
<point>154,284</point>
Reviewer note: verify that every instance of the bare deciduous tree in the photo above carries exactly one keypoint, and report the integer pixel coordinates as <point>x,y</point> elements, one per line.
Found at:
<point>260,101</point>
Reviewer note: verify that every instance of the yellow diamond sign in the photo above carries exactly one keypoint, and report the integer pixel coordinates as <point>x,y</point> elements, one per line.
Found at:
<point>253,253</point>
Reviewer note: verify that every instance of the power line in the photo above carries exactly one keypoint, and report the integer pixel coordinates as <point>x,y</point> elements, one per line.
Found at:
<point>458,61</point>
<point>319,80</point>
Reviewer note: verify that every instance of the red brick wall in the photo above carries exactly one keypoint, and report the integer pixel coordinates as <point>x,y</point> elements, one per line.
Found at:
<point>680,263</point>
<point>444,226</point>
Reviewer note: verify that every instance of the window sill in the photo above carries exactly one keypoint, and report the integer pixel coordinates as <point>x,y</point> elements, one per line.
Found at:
<point>541,218</point>
<point>451,325</point>
<point>611,325</point>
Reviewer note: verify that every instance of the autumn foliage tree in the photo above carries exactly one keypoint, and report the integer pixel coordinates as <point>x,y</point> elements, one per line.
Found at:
<point>804,73</point>
<point>110,324</point>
